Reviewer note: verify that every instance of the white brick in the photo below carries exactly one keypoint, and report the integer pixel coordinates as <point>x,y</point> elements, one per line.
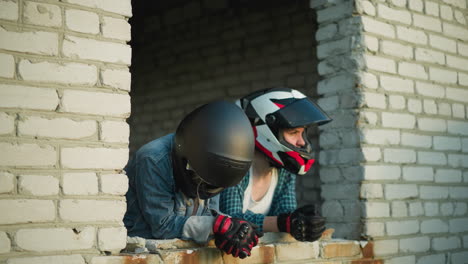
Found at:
<point>397,49</point>
<point>380,136</point>
<point>122,7</point>
<point>55,239</point>
<point>401,260</point>
<point>374,229</point>
<point>433,192</point>
<point>458,225</point>
<point>26,211</point>
<point>459,257</point>
<point>445,109</point>
<point>333,47</point>
<point>82,21</point>
<point>376,209</point>
<point>430,107</point>
<point>446,12</point>
<point>397,120</point>
<point>460,209</point>
<point>42,14</point>
<point>12,154</point>
<point>462,49</point>
<point>120,79</point>
<point>458,110</point>
<point>374,100</point>
<point>38,185</point>
<point>385,247</point>
<point>428,23</point>
<point>112,239</point>
<point>37,42</point>
<point>431,209</point>
<point>457,3</point>
<point>457,127</point>
<point>399,155</point>
<point>395,228</point>
<point>56,127</point>
<point>431,56</point>
<point>367,7</point>
<point>114,131</point>
<point>14,96</point>
<point>455,160</point>
<point>396,84</point>
<point>416,209</point>
<point>416,5</point>
<point>400,16</point>
<point>93,158</point>
<point>7,67</point>
<point>460,17</point>
<point>465,145</point>
<point>80,183</point>
<point>91,49</point>
<point>9,10</point>
<point>411,35</point>
<point>381,172</point>
<point>432,124</point>
<point>370,190</point>
<point>400,191</point>
<point>96,103</point>
<point>380,63</point>
<point>412,70</point>
<point>397,102</point>
<point>5,244</point>
<point>431,90</point>
<point>7,182</point>
<point>69,259</point>
<point>431,8</point>
<point>458,192</point>
<point>116,28</point>
<point>115,184</point>
<point>368,117</point>
<point>447,143</point>
<point>414,105</point>
<point>377,27</point>
<point>418,174</point>
<point>369,80</point>
<point>457,32</point>
<point>399,209</point>
<point>445,243</point>
<point>446,209</point>
<point>443,43</point>
<point>91,210</point>
<point>433,158</point>
<point>463,79</point>
<point>7,123</point>
<point>457,63</point>
<point>415,244</point>
<point>433,226</point>
<point>400,3</point>
<point>67,73</point>
<point>416,140</point>
<point>443,76</point>
<point>371,154</point>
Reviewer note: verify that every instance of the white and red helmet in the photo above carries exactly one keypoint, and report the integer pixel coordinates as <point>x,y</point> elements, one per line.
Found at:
<point>272,109</point>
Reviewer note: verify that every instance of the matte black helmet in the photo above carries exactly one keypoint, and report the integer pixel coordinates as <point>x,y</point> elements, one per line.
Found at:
<point>273,109</point>
<point>214,148</point>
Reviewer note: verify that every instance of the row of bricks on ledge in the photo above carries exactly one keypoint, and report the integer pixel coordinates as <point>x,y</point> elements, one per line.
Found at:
<point>273,248</point>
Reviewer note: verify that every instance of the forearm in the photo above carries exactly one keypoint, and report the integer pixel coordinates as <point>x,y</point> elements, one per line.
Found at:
<point>270,224</point>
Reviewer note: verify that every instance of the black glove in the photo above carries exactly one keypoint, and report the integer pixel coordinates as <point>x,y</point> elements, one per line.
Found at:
<point>235,236</point>
<point>304,224</point>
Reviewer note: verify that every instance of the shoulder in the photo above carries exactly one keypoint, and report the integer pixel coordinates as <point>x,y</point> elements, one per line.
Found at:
<point>157,150</point>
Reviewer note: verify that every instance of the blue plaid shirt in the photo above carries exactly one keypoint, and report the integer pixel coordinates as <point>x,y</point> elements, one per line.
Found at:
<point>284,199</point>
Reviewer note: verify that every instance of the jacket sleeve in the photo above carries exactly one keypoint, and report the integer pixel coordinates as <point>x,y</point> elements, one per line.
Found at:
<point>156,195</point>
<point>231,203</point>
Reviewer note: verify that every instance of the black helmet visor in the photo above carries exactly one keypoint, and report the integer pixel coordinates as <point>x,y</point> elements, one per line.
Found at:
<point>300,113</point>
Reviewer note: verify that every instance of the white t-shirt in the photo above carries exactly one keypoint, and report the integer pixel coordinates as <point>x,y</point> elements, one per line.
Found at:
<point>263,205</point>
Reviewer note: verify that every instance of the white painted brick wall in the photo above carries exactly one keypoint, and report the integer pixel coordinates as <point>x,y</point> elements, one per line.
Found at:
<point>116,78</point>
<point>457,127</point>
<point>69,259</point>
<point>28,97</point>
<point>82,21</point>
<point>7,123</point>
<point>431,259</point>
<point>90,49</point>
<point>92,158</point>
<point>411,35</point>
<point>430,89</point>
<point>380,136</point>
<point>442,75</point>
<point>418,173</point>
<point>122,7</point>
<point>38,42</point>
<point>91,210</point>
<point>112,239</point>
<point>395,84</point>
<point>399,209</point>
<point>432,124</point>
<point>114,131</point>
<point>42,14</point>
<point>443,43</point>
<point>432,158</point>
<point>445,243</point>
<point>55,239</point>
<point>416,140</point>
<point>8,10</point>
<point>26,211</point>
<point>382,172</point>
<point>385,247</point>
<point>415,244</point>
<point>380,64</point>
<point>70,73</point>
<point>80,183</point>
<point>427,22</point>
<point>433,192</point>
<point>116,28</point>
<point>397,120</point>
<point>399,155</point>
<point>5,243</point>
<point>115,184</point>
<point>374,26</point>
<point>431,209</point>
<point>434,226</point>
<point>7,182</point>
<point>376,209</point>
<point>371,190</point>
<point>97,103</point>
<point>38,185</point>
<point>7,68</point>
<point>56,127</point>
<point>396,15</point>
<point>27,155</point>
<point>401,191</point>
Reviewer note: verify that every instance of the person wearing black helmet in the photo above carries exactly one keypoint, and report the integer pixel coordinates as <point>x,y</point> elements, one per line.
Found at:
<point>174,181</point>
<point>279,118</point>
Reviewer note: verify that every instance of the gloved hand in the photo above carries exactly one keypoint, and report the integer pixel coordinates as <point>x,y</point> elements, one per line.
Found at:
<point>235,236</point>
<point>304,224</point>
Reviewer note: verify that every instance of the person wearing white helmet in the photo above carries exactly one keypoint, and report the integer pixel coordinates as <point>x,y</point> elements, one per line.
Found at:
<point>280,118</point>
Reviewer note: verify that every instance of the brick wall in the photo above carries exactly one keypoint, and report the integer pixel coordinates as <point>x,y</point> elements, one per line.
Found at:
<point>413,129</point>
<point>188,54</point>
<point>64,83</point>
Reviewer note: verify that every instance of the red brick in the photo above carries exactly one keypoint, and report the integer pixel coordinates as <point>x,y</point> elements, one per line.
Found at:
<point>260,254</point>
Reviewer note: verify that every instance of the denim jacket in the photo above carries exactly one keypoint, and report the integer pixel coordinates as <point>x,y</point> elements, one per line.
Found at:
<point>155,209</point>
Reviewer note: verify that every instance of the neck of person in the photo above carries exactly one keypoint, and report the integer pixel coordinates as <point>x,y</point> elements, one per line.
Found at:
<point>261,168</point>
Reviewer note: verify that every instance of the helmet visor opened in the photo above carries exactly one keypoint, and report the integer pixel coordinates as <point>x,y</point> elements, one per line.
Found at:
<point>302,112</point>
